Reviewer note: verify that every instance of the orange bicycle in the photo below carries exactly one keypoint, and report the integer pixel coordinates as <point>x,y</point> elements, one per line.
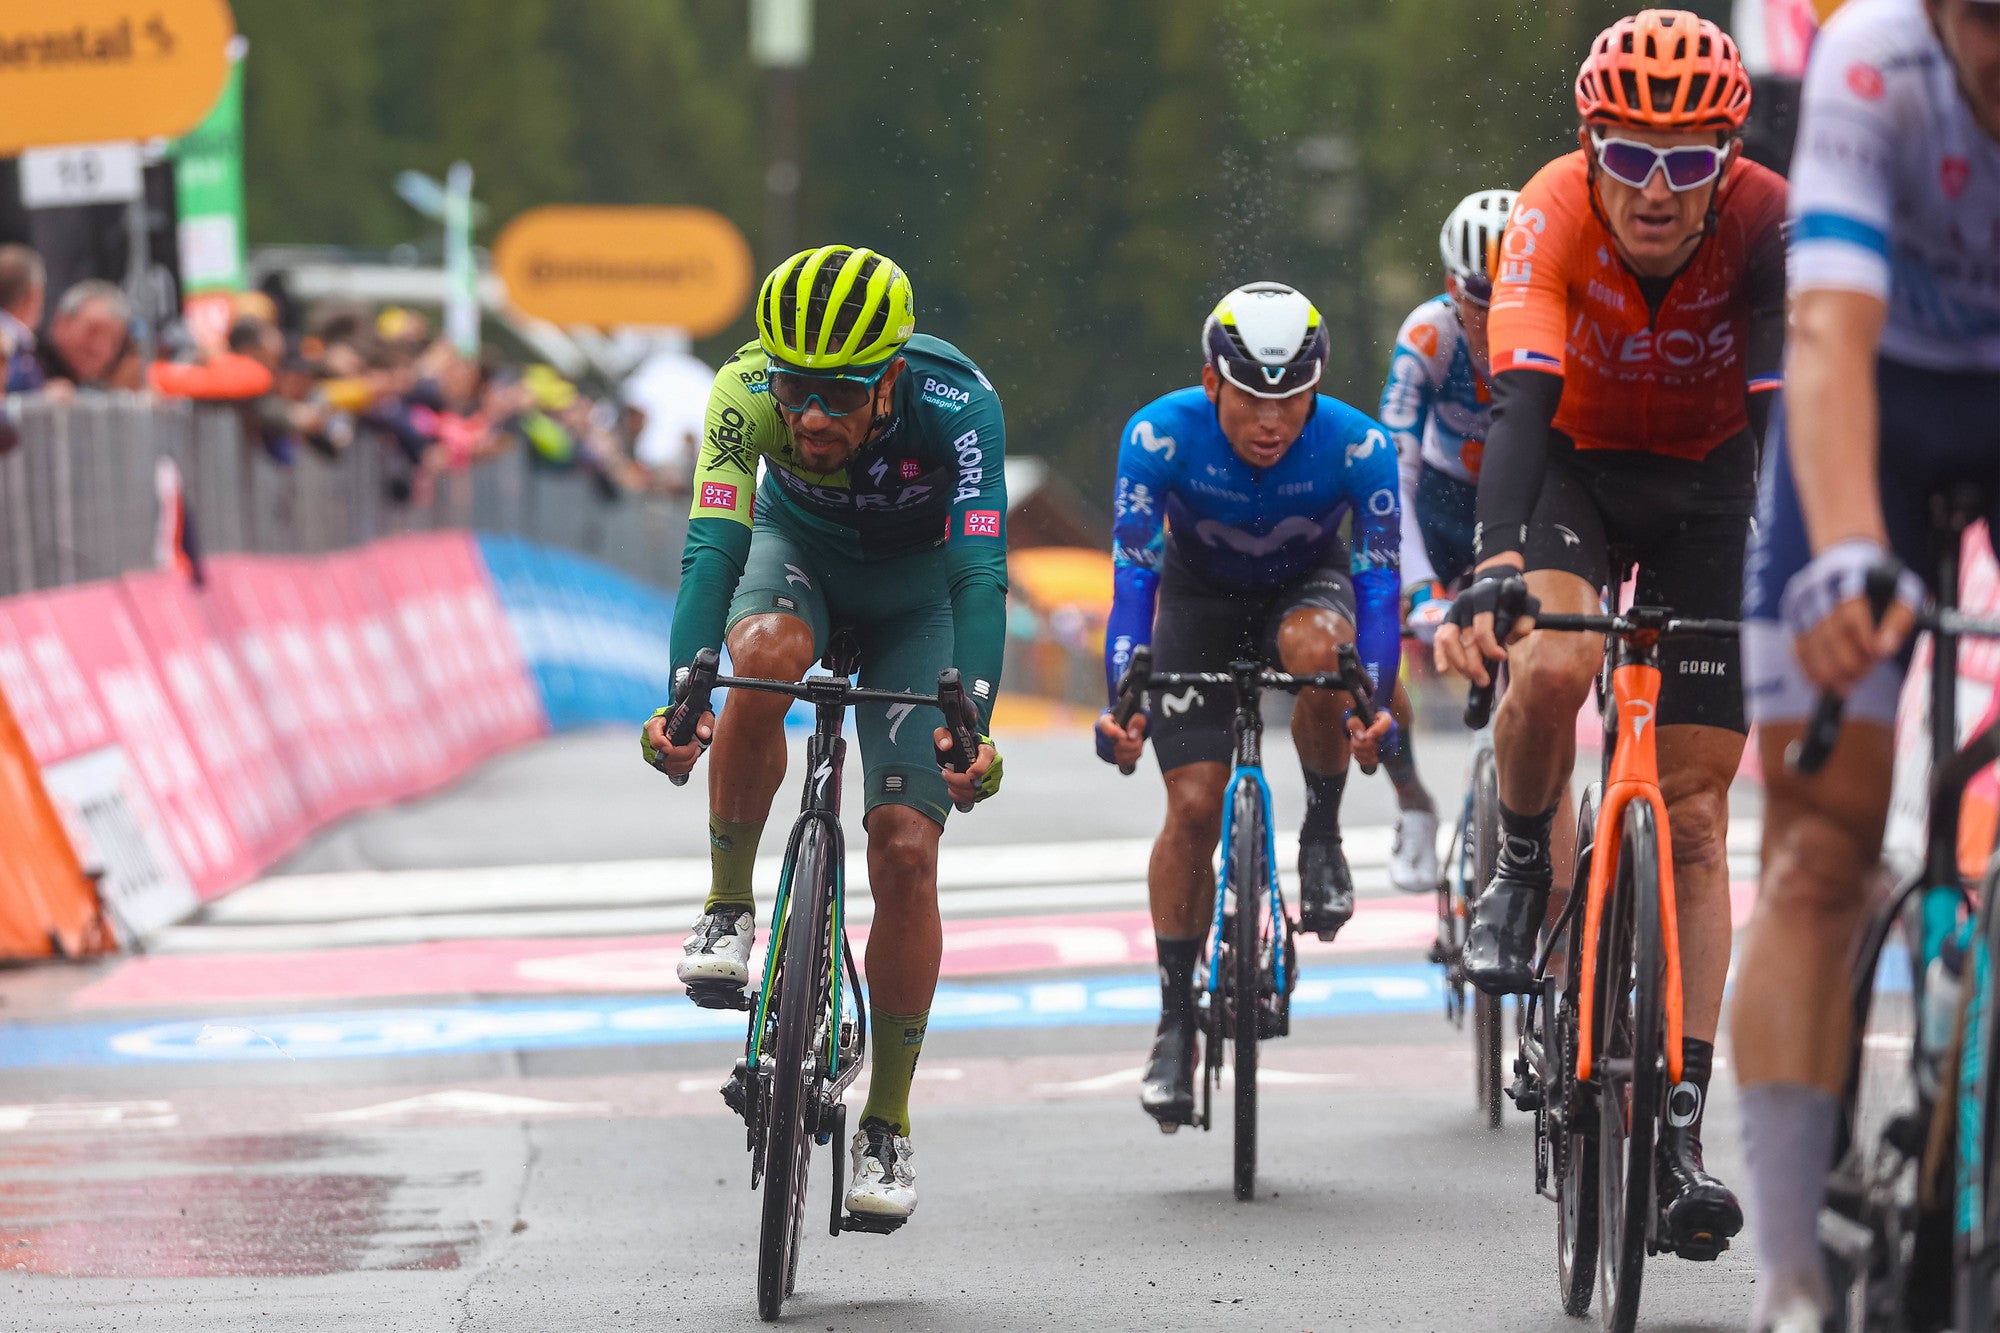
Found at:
<point>1601,1042</point>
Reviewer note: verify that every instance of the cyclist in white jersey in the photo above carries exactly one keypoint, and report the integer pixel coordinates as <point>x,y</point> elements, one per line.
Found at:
<point>1892,393</point>
<point>1437,406</point>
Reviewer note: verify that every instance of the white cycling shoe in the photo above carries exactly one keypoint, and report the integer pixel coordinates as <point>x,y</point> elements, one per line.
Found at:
<point>718,952</point>
<point>1413,855</point>
<point>885,1177</point>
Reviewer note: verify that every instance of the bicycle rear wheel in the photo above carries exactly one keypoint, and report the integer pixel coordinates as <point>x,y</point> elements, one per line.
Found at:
<point>1569,1117</point>
<point>1487,1024</point>
<point>1977,1246</point>
<point>1631,962</point>
<point>803,994</point>
<point>1249,884</point>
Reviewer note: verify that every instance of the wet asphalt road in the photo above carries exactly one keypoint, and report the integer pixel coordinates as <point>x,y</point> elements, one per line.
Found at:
<point>540,1186</point>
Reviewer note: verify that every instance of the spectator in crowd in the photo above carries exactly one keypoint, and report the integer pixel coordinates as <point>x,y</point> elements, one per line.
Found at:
<point>24,284</point>
<point>89,343</point>
<point>245,371</point>
<point>669,393</point>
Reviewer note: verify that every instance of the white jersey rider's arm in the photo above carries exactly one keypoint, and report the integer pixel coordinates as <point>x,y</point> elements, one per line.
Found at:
<point>1406,405</point>
<point>1843,197</point>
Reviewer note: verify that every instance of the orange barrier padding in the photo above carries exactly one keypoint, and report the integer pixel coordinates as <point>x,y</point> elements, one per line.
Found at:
<point>231,377</point>
<point>48,906</point>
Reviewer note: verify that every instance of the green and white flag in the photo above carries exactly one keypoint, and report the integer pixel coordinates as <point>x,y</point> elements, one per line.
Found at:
<point>208,184</point>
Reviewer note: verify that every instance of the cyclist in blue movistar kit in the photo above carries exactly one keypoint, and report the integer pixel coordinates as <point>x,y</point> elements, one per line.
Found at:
<point>1437,405</point>
<point>1892,394</point>
<point>1228,515</point>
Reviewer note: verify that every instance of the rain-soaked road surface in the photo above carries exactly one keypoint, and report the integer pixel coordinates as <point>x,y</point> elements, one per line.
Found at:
<point>439,1077</point>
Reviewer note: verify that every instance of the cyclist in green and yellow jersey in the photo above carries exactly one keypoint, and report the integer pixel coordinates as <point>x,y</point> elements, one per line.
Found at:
<point>883,508</point>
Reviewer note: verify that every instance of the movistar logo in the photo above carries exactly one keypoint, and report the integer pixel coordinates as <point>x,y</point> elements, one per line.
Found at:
<point>1170,704</point>
<point>1152,442</point>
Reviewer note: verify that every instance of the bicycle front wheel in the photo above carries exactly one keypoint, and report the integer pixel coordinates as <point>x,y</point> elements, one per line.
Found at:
<point>1486,1009</point>
<point>1631,1021</point>
<point>1249,882</point>
<point>802,981</point>
<point>1567,1118</point>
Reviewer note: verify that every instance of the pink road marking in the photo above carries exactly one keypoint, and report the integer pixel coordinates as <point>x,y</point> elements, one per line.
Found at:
<point>645,963</point>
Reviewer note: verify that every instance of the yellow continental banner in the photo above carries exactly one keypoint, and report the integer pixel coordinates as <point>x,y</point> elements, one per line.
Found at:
<point>90,71</point>
<point>686,268</point>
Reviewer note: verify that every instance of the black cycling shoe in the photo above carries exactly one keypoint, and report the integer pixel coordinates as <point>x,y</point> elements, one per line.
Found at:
<point>1167,1089</point>
<point>1698,1213</point>
<point>1326,888</point>
<point>1500,944</point>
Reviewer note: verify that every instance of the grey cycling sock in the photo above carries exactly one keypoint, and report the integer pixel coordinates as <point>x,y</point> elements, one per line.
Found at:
<point>1788,1133</point>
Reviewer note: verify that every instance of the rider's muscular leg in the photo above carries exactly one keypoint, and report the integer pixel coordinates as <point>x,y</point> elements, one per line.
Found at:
<point>1822,836</point>
<point>1309,641</point>
<point>1697,764</point>
<point>1789,1018</point>
<point>748,757</point>
<point>903,951</point>
<point>1549,677</point>
<point>1180,880</point>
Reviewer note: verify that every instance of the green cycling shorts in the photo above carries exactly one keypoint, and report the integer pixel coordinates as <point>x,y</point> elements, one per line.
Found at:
<point>900,611</point>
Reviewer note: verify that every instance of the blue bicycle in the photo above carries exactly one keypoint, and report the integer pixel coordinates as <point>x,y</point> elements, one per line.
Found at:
<point>1250,965</point>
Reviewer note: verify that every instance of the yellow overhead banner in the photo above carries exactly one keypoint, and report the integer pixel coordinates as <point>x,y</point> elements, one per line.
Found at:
<point>685,268</point>
<point>90,71</point>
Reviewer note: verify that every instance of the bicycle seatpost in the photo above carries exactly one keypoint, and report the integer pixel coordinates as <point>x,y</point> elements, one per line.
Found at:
<point>1479,699</point>
<point>1808,754</point>
<point>697,684</point>
<point>1132,692</point>
<point>962,721</point>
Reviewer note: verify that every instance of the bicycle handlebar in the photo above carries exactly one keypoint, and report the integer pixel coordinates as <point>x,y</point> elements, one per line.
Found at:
<point>702,678</point>
<point>1621,625</point>
<point>1479,699</point>
<point>1139,677</point>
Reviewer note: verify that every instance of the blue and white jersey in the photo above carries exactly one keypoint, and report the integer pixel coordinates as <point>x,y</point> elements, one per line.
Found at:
<point>1239,527</point>
<point>1895,189</point>
<point>1438,408</point>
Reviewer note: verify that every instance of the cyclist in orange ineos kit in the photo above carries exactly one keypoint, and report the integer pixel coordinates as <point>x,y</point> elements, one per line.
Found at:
<point>1637,326</point>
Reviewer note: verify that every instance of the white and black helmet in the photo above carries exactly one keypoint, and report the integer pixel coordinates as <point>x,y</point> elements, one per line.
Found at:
<point>1267,340</point>
<point>1470,241</point>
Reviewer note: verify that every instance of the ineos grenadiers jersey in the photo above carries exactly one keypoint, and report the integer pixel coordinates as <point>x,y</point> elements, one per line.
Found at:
<point>1896,189</point>
<point>935,476</point>
<point>1184,495</point>
<point>1437,407</point>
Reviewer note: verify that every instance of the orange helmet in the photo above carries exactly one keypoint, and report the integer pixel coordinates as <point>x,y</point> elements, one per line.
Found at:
<point>1664,69</point>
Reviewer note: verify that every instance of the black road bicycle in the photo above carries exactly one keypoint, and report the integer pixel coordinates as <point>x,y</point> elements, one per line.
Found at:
<point>808,1032</point>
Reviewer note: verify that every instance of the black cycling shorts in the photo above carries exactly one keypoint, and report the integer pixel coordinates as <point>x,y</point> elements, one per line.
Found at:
<point>1686,524</point>
<point>1204,627</point>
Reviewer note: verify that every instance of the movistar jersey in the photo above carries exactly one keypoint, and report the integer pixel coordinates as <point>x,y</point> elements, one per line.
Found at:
<point>1896,190</point>
<point>1239,527</point>
<point>933,477</point>
<point>1437,406</point>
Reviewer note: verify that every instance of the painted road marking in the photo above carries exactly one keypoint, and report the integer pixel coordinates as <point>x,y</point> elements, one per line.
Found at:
<point>1388,988</point>
<point>456,1104</point>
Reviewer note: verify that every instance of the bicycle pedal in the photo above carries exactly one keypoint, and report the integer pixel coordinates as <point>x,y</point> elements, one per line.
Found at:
<point>718,995</point>
<point>734,1092</point>
<point>1169,1126</point>
<point>874,1226</point>
<point>1525,1095</point>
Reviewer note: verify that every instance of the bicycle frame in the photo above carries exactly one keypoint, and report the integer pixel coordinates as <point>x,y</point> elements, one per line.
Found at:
<point>1632,774</point>
<point>1247,765</point>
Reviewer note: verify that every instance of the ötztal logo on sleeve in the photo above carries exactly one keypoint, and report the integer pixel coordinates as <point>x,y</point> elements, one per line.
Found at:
<point>717,495</point>
<point>982,523</point>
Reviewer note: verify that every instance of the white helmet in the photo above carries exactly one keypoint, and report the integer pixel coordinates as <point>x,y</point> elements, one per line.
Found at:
<point>1471,237</point>
<point>1267,339</point>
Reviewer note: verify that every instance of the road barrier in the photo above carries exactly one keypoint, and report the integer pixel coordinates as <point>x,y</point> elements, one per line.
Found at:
<point>79,495</point>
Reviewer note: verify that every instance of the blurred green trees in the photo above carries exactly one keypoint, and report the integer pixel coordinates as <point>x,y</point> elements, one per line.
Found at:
<point>1070,183</point>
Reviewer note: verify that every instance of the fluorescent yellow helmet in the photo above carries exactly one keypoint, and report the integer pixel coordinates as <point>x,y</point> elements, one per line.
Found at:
<point>835,308</point>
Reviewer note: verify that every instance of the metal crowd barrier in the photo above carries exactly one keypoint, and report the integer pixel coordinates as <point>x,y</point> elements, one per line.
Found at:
<point>80,501</point>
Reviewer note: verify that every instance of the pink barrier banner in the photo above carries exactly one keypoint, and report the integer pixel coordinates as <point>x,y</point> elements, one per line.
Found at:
<point>93,684</point>
<point>221,712</point>
<point>460,643</point>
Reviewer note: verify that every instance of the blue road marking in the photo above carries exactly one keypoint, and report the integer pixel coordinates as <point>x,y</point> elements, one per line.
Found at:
<point>1392,988</point>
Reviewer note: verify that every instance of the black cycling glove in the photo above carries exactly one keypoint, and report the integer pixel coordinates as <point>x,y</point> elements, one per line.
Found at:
<point>1485,595</point>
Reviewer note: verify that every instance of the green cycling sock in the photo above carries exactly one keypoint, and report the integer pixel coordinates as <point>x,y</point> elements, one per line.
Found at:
<point>732,855</point>
<point>898,1040</point>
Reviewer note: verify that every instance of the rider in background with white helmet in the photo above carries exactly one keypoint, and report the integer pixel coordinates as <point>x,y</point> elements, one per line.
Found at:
<point>1227,517</point>
<point>1437,404</point>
